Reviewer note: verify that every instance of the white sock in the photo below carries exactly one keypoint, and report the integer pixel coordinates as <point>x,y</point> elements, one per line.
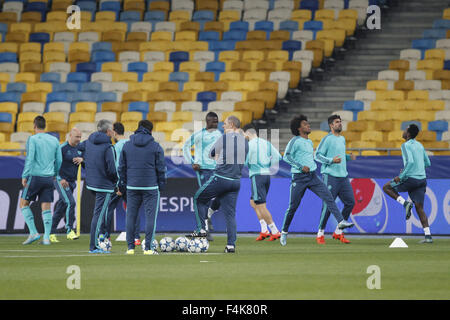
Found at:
<point>210,213</point>
<point>401,200</point>
<point>273,228</point>
<point>206,225</point>
<point>427,231</point>
<point>338,231</point>
<point>263,226</point>
<point>321,233</point>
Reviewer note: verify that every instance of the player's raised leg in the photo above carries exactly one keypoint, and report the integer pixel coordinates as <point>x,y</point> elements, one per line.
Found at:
<point>345,193</point>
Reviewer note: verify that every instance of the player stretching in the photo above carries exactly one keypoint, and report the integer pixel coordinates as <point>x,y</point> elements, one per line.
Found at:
<point>230,152</point>
<point>42,165</point>
<point>300,155</point>
<point>262,156</point>
<point>65,206</point>
<point>142,172</point>
<point>202,164</point>
<point>331,153</point>
<point>412,178</point>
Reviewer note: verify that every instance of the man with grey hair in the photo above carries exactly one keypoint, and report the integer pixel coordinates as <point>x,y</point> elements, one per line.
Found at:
<point>230,152</point>
<point>101,175</point>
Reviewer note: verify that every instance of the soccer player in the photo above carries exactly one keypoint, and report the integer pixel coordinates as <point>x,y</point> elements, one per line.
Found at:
<point>202,164</point>
<point>262,156</point>
<point>120,140</point>
<point>230,152</point>
<point>101,175</point>
<point>65,184</point>
<point>42,166</point>
<point>300,155</point>
<point>412,178</point>
<point>331,153</point>
<point>142,172</point>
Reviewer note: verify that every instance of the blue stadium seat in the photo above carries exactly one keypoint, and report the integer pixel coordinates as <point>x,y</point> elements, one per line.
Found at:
<point>177,57</point>
<point>3,30</point>
<point>346,3</point>
<point>41,37</point>
<point>435,34</point>
<point>154,17</point>
<point>206,97</point>
<point>264,25</point>
<point>77,77</point>
<point>423,45</point>
<point>139,106</point>
<point>105,97</point>
<point>311,5</point>
<point>289,25</point>
<point>110,6</point>
<point>56,97</point>
<point>208,35</point>
<point>103,56</point>
<point>53,77</point>
<point>40,7</point>
<point>441,24</point>
<point>130,16</point>
<point>291,46</point>
<point>8,57</point>
<point>217,67</point>
<point>439,126</point>
<point>239,25</point>
<point>101,46</point>
<point>180,77</point>
<point>87,67</point>
<point>405,124</point>
<point>236,35</point>
<point>313,26</point>
<point>324,126</point>
<point>18,87</point>
<point>66,87</point>
<point>139,67</point>
<point>202,16</point>
<point>221,45</point>
<point>447,65</point>
<point>5,117</point>
<point>91,87</point>
<point>87,6</point>
<point>81,97</point>
<point>10,97</point>
<point>355,106</point>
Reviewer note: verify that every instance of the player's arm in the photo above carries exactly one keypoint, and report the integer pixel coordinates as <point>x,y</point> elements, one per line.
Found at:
<point>122,171</point>
<point>31,150</point>
<point>275,156</point>
<point>289,155</point>
<point>187,148</point>
<point>426,159</point>
<point>321,152</point>
<point>58,161</point>
<point>161,168</point>
<point>110,159</point>
<point>408,161</point>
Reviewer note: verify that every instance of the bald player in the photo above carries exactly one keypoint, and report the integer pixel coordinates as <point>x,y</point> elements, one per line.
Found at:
<point>65,184</point>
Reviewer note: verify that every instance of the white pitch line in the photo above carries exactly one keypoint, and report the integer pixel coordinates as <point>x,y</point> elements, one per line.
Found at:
<point>53,256</point>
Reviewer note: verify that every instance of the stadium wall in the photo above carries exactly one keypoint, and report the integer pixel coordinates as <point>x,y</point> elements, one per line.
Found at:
<point>374,212</point>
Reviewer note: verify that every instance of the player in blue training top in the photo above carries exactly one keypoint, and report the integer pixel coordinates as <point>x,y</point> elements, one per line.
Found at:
<point>230,152</point>
<point>42,166</point>
<point>412,178</point>
<point>331,153</point>
<point>262,157</point>
<point>300,155</point>
<point>65,206</point>
<point>202,164</point>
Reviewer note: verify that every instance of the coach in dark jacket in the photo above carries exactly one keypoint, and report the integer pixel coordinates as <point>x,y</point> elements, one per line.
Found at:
<point>101,175</point>
<point>142,172</point>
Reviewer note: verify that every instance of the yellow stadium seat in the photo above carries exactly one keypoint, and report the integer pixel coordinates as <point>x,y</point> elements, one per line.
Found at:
<point>184,116</point>
<point>377,85</point>
<point>280,35</point>
<point>112,107</point>
<point>163,66</point>
<point>421,95</point>
<point>131,116</point>
<point>21,27</point>
<point>134,6</point>
<point>404,85</point>
<point>33,97</point>
<point>436,145</point>
<point>30,47</point>
<point>228,16</point>
<point>317,46</point>
<point>362,144</point>
<point>426,135</point>
<point>59,117</point>
<point>157,116</point>
<point>301,14</point>
<point>56,15</point>
<point>256,35</point>
<point>255,76</point>
<point>348,13</point>
<point>295,69</point>
<point>105,16</point>
<point>361,125</point>
<point>435,105</point>
<point>161,36</point>
<point>31,16</point>
<point>190,26</point>
<point>376,136</point>
<point>45,87</point>
<point>186,36</point>
<point>214,26</point>
<point>85,106</point>
<point>16,36</point>
<point>244,116</point>
<point>26,117</point>
<point>371,153</point>
<point>2,137</point>
<point>317,135</point>
<point>26,77</point>
<point>438,54</point>
<point>9,47</point>
<point>75,117</point>
<point>346,24</point>
<point>268,97</point>
<point>8,145</point>
<point>254,106</point>
<point>351,135</point>
<point>130,125</point>
<point>158,76</point>
<point>10,107</point>
<point>194,86</point>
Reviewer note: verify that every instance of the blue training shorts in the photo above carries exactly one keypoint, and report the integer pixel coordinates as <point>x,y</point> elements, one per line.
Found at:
<point>260,188</point>
<point>39,186</point>
<point>416,188</point>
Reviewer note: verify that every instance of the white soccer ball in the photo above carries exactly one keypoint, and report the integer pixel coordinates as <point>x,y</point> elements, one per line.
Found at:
<point>167,244</point>
<point>153,247</point>
<point>181,244</point>
<point>205,244</point>
<point>105,245</point>
<point>195,245</point>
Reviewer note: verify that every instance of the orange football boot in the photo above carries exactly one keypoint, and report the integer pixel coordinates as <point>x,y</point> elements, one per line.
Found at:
<point>320,240</point>
<point>262,236</point>
<point>340,237</point>
<point>274,237</point>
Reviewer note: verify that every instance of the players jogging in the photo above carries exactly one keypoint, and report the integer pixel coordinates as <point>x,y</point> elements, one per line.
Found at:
<point>101,176</point>
<point>42,166</point>
<point>202,164</point>
<point>331,153</point>
<point>230,152</point>
<point>65,206</point>
<point>262,156</point>
<point>142,172</point>
<point>300,155</point>
<point>412,178</point>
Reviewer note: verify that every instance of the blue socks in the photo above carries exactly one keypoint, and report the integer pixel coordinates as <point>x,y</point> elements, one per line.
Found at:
<point>47,219</point>
<point>29,219</point>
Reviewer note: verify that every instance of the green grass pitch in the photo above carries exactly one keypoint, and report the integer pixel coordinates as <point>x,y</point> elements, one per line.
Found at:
<point>259,270</point>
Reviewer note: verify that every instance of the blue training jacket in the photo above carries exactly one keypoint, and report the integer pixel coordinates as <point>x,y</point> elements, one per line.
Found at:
<point>142,164</point>
<point>99,159</point>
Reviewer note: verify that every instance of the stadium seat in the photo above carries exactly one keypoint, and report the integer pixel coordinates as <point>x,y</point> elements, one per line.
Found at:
<point>355,106</point>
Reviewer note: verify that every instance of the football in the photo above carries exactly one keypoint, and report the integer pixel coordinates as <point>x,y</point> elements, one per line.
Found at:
<point>167,244</point>
<point>154,245</point>
<point>105,245</point>
<point>195,246</point>
<point>181,244</point>
<point>205,244</point>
